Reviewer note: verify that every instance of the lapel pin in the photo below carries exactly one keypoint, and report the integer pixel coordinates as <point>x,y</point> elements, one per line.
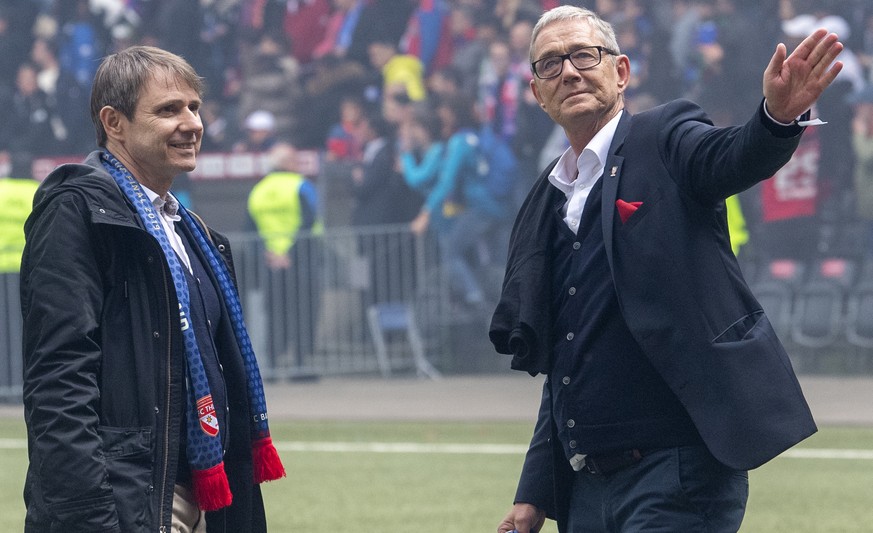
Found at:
<point>613,171</point>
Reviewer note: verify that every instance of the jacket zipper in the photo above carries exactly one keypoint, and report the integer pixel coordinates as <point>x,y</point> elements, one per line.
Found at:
<point>165,465</point>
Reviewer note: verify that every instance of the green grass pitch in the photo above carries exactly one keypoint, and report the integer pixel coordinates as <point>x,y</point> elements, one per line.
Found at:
<point>333,486</point>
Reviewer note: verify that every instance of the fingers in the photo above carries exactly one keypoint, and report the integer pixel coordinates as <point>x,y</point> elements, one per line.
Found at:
<point>775,66</point>
<point>806,48</point>
<point>825,51</point>
<point>832,73</point>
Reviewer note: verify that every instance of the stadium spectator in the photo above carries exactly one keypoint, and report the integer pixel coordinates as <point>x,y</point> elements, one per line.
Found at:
<point>12,49</point>
<point>330,80</point>
<point>469,56</point>
<point>16,199</point>
<point>33,124</point>
<point>70,97</point>
<point>380,20</point>
<point>382,196</point>
<point>305,23</point>
<point>342,143</point>
<point>218,52</point>
<point>284,207</point>
<point>260,133</point>
<point>397,71</point>
<point>498,88</point>
<point>340,29</point>
<point>82,40</point>
<point>462,34</point>
<point>509,12</point>
<point>477,237</point>
<point>422,151</point>
<point>429,35</point>
<point>271,82</point>
<point>220,130</point>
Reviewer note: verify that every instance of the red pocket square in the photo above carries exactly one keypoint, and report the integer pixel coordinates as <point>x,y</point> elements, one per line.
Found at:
<point>626,209</point>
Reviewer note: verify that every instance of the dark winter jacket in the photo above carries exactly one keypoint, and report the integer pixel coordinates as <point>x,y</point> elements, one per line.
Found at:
<point>104,369</point>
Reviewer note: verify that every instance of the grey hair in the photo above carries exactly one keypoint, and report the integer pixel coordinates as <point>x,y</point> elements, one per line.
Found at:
<point>601,28</point>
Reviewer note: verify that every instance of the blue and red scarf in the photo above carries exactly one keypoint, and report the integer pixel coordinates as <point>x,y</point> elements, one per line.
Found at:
<point>204,450</point>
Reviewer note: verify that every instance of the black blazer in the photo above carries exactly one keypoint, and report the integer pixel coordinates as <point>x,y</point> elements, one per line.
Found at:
<point>679,285</point>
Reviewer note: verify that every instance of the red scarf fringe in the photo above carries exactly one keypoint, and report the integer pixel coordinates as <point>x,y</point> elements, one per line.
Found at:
<point>211,489</point>
<point>266,462</point>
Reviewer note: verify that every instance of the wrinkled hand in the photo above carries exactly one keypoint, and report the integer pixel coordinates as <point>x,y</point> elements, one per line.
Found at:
<point>523,518</point>
<point>793,84</point>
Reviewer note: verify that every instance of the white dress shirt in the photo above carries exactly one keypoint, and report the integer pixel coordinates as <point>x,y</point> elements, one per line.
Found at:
<point>169,211</point>
<point>576,176</point>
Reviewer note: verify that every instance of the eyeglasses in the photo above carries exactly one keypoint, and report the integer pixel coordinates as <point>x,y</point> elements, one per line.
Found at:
<point>582,58</point>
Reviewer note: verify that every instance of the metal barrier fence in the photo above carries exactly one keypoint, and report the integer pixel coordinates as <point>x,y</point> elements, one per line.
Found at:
<point>379,300</point>
<point>354,300</point>
<point>10,338</point>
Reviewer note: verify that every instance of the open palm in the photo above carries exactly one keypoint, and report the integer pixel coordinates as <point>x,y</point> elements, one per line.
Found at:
<point>793,83</point>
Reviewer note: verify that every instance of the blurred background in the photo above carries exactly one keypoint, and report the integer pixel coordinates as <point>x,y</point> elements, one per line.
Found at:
<point>327,127</point>
<point>327,123</point>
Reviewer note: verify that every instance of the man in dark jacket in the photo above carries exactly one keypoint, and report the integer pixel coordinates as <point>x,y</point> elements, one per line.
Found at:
<point>665,380</point>
<point>142,397</point>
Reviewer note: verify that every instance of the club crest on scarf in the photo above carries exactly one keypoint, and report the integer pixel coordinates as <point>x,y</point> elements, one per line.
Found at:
<point>206,411</point>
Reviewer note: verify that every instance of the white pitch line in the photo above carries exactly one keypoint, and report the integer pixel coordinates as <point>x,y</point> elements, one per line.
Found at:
<point>812,453</point>
<point>402,447</point>
<point>473,449</point>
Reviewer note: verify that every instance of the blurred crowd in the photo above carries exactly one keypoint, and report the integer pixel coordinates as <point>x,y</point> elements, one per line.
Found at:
<point>436,81</point>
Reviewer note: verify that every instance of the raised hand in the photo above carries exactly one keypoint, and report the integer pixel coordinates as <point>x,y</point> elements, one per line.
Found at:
<point>792,84</point>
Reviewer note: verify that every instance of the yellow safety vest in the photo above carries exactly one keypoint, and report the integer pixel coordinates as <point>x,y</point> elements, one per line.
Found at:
<point>16,203</point>
<point>274,205</point>
<point>736,224</point>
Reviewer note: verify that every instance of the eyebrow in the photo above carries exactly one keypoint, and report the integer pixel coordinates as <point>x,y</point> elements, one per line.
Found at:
<point>176,101</point>
<point>572,48</point>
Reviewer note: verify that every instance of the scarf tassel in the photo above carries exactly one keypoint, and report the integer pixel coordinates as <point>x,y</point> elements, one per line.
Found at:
<point>266,462</point>
<point>211,489</point>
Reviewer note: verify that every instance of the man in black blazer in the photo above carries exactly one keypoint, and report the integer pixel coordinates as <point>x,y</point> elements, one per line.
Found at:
<point>665,381</point>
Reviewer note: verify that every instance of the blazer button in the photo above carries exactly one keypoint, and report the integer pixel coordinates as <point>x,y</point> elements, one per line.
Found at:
<point>571,423</point>
<point>570,336</point>
<point>577,245</point>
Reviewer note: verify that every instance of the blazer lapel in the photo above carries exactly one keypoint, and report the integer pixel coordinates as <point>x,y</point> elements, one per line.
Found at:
<point>611,175</point>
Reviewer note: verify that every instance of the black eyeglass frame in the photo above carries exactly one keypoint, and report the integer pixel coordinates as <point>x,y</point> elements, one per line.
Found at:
<point>565,57</point>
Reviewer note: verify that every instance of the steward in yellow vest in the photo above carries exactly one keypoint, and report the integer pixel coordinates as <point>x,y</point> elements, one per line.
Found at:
<point>16,202</point>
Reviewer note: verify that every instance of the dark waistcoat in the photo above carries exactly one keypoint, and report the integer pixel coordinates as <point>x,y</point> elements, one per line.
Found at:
<point>606,395</point>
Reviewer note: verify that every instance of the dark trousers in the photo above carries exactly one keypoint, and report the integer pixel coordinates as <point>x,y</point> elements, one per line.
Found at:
<point>670,490</point>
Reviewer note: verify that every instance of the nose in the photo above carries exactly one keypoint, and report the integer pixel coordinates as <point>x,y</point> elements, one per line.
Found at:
<point>571,71</point>
<point>191,121</point>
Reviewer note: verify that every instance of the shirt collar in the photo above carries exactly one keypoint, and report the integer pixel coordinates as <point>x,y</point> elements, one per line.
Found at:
<point>168,207</point>
<point>589,165</point>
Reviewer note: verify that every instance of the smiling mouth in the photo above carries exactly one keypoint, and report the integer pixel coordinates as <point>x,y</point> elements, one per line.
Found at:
<point>184,146</point>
